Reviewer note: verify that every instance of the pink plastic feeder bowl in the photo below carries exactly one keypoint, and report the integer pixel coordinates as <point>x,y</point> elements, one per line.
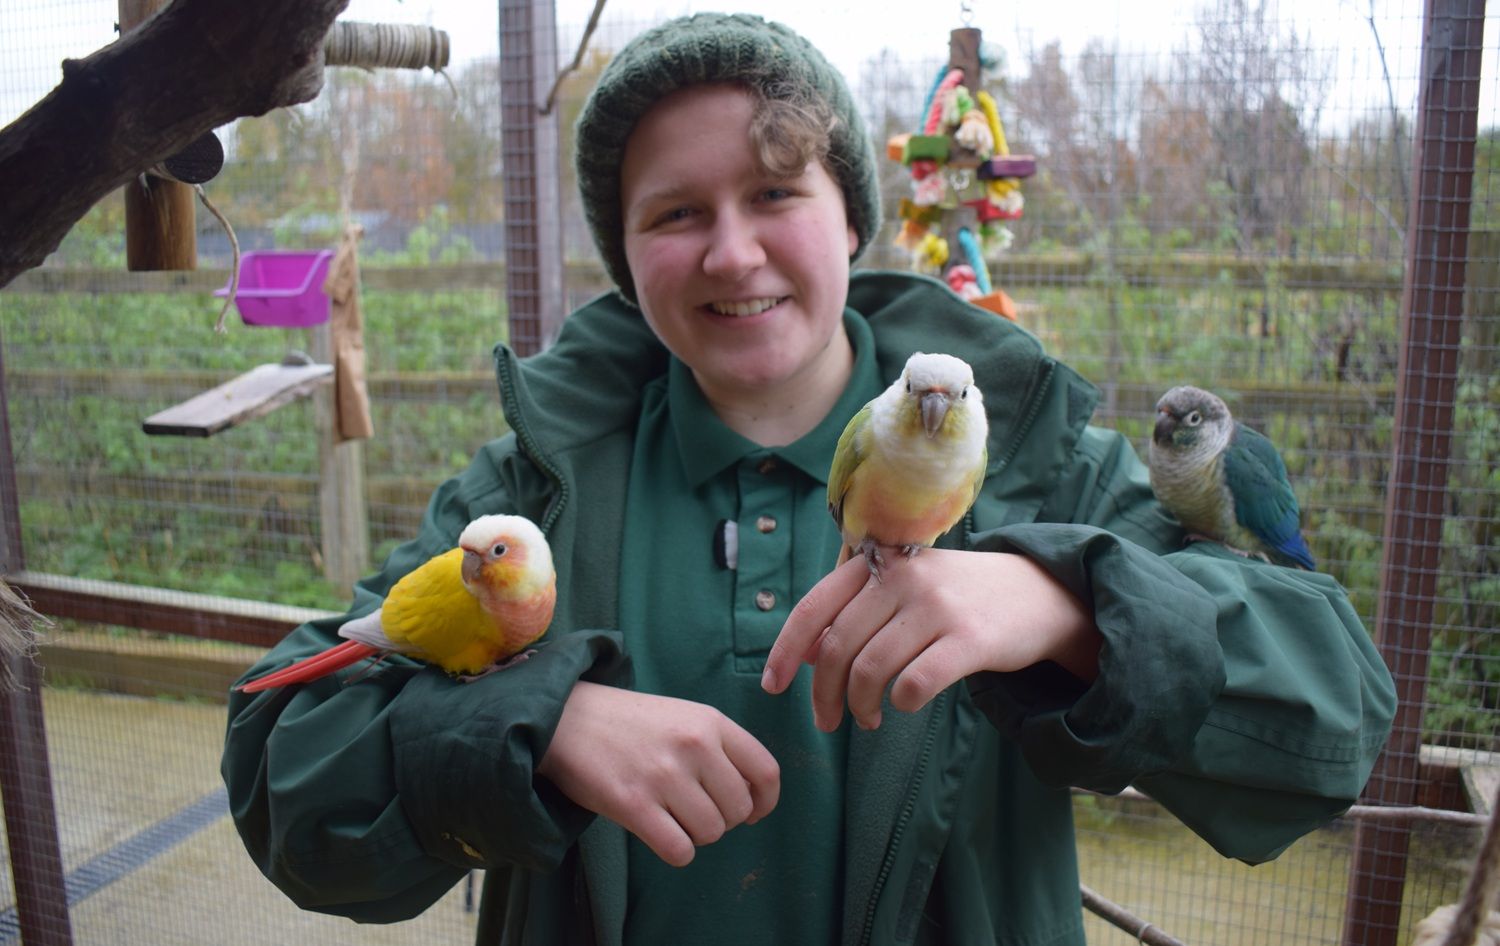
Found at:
<point>282,287</point>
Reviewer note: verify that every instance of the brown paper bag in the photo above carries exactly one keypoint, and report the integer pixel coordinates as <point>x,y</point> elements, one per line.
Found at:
<point>351,400</point>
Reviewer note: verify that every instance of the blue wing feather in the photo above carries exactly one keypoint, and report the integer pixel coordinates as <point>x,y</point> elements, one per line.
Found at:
<point>1263,499</point>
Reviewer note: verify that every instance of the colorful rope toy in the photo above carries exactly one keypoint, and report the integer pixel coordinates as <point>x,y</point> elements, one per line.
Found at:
<point>965,182</point>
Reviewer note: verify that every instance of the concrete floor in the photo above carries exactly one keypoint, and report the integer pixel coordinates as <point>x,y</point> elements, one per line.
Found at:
<point>144,830</point>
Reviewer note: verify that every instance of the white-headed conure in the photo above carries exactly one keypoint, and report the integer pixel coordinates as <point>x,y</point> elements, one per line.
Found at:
<point>911,461</point>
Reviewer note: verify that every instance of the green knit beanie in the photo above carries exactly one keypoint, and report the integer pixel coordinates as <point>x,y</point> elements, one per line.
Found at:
<point>703,48</point>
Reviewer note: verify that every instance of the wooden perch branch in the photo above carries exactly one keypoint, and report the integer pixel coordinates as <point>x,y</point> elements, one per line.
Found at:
<point>195,66</point>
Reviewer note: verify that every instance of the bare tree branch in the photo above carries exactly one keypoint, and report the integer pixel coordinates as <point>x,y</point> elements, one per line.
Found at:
<point>1397,138</point>
<point>196,65</point>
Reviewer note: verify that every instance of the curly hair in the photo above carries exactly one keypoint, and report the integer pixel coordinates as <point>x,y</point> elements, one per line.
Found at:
<point>791,128</point>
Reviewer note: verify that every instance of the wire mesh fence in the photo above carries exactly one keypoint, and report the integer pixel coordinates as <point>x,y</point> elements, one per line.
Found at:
<point>1222,197</point>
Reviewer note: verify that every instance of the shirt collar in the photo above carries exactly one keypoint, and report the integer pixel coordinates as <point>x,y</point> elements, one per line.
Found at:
<point>707,446</point>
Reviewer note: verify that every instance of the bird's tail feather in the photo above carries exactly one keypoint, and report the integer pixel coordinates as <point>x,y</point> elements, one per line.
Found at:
<point>318,665</point>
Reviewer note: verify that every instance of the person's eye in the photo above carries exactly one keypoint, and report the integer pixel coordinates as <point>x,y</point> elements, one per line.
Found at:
<point>674,215</point>
<point>773,194</point>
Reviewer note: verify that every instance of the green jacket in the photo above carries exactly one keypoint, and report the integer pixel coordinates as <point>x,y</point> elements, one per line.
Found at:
<point>1245,697</point>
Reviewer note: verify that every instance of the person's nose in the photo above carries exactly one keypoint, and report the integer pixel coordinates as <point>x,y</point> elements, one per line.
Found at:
<point>735,249</point>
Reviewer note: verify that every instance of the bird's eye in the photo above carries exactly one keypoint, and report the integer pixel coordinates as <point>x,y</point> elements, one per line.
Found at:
<point>963,394</point>
<point>908,387</point>
<point>498,550</point>
<point>1194,419</point>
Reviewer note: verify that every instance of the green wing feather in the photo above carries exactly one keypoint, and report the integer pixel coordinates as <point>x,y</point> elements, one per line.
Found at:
<point>1263,499</point>
<point>851,452</point>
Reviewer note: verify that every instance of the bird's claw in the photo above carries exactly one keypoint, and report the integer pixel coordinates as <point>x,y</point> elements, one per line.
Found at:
<point>870,549</point>
<point>365,671</point>
<point>498,665</point>
<point>1192,537</point>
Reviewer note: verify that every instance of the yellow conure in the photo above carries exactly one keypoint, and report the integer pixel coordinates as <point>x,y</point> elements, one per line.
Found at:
<point>464,610</point>
<point>910,463</point>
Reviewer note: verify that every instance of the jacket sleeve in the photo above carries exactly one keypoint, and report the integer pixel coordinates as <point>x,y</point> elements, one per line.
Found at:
<point>1245,697</point>
<point>368,794</point>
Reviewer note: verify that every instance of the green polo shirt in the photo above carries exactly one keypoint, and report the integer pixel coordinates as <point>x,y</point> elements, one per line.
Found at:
<point>703,632</point>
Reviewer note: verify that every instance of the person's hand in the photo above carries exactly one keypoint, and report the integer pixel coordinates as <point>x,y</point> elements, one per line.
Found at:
<point>671,772</point>
<point>935,619</point>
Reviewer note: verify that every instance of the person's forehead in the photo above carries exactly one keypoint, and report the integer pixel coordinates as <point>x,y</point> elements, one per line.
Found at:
<point>687,135</point>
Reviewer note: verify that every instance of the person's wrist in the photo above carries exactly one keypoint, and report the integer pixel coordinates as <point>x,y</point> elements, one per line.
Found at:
<point>1078,641</point>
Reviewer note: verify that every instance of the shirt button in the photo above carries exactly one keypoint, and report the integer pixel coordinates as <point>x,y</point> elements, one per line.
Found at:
<point>766,523</point>
<point>765,600</point>
<point>767,465</point>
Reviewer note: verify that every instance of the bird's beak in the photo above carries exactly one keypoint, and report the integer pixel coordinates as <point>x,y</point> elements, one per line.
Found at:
<point>1165,425</point>
<point>934,409</point>
<point>470,567</point>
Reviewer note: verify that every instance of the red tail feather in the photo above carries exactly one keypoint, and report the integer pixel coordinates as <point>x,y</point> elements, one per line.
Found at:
<point>318,665</point>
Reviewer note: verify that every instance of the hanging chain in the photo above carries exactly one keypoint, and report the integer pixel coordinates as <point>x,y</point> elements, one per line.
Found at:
<point>966,13</point>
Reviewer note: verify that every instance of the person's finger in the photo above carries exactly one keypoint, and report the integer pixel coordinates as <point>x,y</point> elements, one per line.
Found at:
<point>697,813</point>
<point>809,617</point>
<point>757,768</point>
<point>728,791</point>
<point>660,831</point>
<point>845,639</point>
<point>930,672</point>
<point>887,654</point>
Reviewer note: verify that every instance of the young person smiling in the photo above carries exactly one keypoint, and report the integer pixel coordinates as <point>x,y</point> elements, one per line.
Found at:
<point>662,771</point>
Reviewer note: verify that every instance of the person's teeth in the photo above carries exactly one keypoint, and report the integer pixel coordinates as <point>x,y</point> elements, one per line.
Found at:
<point>741,309</point>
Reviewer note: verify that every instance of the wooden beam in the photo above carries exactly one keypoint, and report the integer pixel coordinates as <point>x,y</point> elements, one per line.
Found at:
<point>255,393</point>
<point>157,609</point>
<point>343,504</point>
<point>141,665</point>
<point>160,232</point>
<point>195,66</point>
<point>159,214</point>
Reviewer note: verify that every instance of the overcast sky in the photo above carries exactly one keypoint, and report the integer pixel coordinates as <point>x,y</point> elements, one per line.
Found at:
<point>36,34</point>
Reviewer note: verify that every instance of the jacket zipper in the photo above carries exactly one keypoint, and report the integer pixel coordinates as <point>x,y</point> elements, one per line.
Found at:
<point>1032,409</point>
<point>931,734</point>
<point>939,706</point>
<point>512,408</point>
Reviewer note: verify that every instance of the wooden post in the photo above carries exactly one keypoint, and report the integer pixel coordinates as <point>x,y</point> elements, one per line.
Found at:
<point>25,776</point>
<point>159,224</point>
<point>342,515</point>
<point>533,193</point>
<point>963,53</point>
<point>30,815</point>
<point>1416,500</point>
